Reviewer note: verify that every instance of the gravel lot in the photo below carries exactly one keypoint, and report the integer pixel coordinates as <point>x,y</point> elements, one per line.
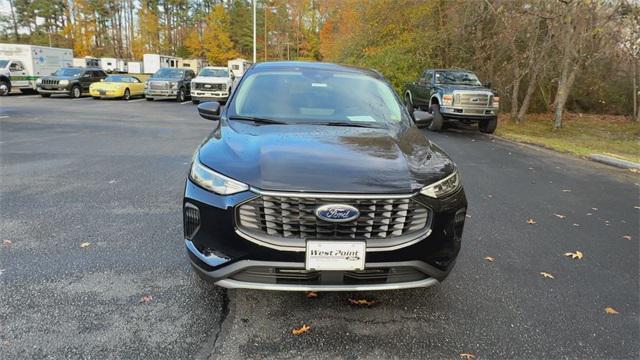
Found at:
<point>110,173</point>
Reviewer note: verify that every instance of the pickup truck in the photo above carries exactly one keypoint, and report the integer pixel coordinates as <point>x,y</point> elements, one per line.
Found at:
<point>453,94</point>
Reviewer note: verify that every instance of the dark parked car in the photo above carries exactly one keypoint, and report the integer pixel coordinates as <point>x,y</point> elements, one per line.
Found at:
<point>451,94</point>
<point>169,83</point>
<point>72,81</point>
<point>315,177</point>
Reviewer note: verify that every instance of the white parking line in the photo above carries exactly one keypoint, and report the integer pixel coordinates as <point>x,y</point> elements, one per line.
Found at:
<point>28,96</point>
<point>82,98</point>
<point>135,100</point>
<point>186,102</point>
<point>4,116</point>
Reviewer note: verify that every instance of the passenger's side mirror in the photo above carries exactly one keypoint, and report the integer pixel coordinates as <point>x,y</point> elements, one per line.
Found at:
<point>422,116</point>
<point>488,85</point>
<point>209,110</point>
<point>101,80</point>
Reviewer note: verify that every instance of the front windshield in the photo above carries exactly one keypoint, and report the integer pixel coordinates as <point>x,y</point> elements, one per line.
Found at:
<point>457,78</point>
<point>3,63</point>
<point>168,73</point>
<point>214,72</point>
<point>318,97</point>
<point>68,72</point>
<point>117,78</point>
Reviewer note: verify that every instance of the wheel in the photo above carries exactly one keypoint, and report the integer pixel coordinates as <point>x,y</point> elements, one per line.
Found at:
<point>488,126</point>
<point>45,95</point>
<point>409,103</point>
<point>5,88</point>
<point>438,120</point>
<point>96,97</point>
<point>180,96</point>
<point>195,102</point>
<point>148,98</point>
<point>75,92</point>
<point>127,94</point>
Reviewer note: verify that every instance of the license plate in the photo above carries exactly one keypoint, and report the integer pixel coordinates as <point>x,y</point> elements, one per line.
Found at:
<point>335,255</point>
<point>103,92</point>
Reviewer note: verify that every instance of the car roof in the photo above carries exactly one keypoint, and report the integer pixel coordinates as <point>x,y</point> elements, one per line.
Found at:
<point>291,65</point>
<point>215,67</point>
<point>449,69</point>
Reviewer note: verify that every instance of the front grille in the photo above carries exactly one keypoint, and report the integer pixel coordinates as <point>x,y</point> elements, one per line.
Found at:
<point>50,82</point>
<point>471,99</point>
<point>294,218</point>
<point>158,85</point>
<point>191,220</point>
<point>210,87</point>
<point>274,275</point>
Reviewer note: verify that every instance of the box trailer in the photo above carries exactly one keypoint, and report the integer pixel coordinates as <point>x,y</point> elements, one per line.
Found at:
<point>135,67</point>
<point>154,62</point>
<point>22,65</point>
<point>238,66</point>
<point>193,64</point>
<point>86,61</point>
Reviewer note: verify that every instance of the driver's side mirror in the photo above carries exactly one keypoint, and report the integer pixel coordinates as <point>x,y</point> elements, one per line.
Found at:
<point>209,110</point>
<point>101,80</point>
<point>488,85</point>
<point>422,116</point>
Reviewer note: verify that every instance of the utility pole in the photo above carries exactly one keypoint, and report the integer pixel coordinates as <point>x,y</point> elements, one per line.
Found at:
<point>265,33</point>
<point>254,31</point>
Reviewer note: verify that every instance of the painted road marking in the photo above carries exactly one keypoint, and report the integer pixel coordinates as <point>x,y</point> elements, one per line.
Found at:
<point>4,116</point>
<point>135,100</point>
<point>186,102</point>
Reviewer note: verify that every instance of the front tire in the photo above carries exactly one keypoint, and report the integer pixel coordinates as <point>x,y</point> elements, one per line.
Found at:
<point>127,94</point>
<point>148,98</point>
<point>96,97</point>
<point>5,88</point>
<point>180,97</point>
<point>75,92</point>
<point>488,126</point>
<point>438,120</point>
<point>408,103</point>
<point>45,95</point>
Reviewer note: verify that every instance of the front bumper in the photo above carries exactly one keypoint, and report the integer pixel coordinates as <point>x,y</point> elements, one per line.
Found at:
<point>468,113</point>
<point>209,95</point>
<point>105,94</point>
<point>60,90</point>
<point>218,252</point>
<point>160,93</point>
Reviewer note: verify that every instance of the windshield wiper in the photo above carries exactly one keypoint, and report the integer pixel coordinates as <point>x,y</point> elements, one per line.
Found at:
<point>340,123</point>
<point>255,119</point>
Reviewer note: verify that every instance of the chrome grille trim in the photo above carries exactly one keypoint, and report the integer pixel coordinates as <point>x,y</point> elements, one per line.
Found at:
<point>159,85</point>
<point>466,99</point>
<point>333,195</point>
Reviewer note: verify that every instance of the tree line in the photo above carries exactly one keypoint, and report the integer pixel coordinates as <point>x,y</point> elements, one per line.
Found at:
<point>540,55</point>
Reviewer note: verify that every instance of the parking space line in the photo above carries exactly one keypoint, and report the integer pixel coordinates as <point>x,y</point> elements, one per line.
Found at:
<point>4,116</point>
<point>186,102</point>
<point>135,100</point>
<point>28,96</point>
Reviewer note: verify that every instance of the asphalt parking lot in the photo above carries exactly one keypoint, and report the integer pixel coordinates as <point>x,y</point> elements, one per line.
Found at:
<point>92,260</point>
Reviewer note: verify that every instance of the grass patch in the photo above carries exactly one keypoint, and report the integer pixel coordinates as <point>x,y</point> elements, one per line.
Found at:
<point>581,134</point>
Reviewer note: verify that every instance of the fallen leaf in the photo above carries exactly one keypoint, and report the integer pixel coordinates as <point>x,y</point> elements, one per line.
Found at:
<point>301,330</point>
<point>7,242</point>
<point>489,196</point>
<point>637,207</point>
<point>576,225</point>
<point>611,311</point>
<point>566,190</point>
<point>531,222</point>
<point>469,216</point>
<point>627,237</point>
<point>560,216</point>
<point>489,258</point>
<point>112,181</point>
<point>2,271</point>
<point>312,294</point>
<point>634,170</point>
<point>467,356</point>
<point>146,299</point>
<point>530,168</point>
<point>594,209</point>
<point>361,302</point>
<point>574,255</point>
<point>589,214</point>
<point>85,244</point>
<point>546,275</point>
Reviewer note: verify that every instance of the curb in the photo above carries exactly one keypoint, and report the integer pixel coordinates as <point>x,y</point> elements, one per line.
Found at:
<point>619,163</point>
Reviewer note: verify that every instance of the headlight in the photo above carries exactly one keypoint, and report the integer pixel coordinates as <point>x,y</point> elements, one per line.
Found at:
<point>213,181</point>
<point>38,81</point>
<point>496,101</point>
<point>146,84</point>
<point>173,84</point>
<point>63,82</point>
<point>443,187</point>
<point>447,99</point>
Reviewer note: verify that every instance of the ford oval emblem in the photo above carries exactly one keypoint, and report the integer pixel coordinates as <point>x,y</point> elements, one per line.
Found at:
<point>337,213</point>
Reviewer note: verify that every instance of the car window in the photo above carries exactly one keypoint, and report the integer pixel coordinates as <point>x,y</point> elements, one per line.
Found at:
<point>135,79</point>
<point>429,77</point>
<point>117,78</point>
<point>16,66</point>
<point>214,72</point>
<point>168,73</point>
<point>318,96</point>
<point>456,77</point>
<point>75,72</point>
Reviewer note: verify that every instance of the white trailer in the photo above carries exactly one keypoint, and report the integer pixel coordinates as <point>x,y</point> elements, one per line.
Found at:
<point>86,61</point>
<point>109,64</point>
<point>155,62</point>
<point>135,67</point>
<point>21,65</point>
<point>238,66</point>
<point>122,66</point>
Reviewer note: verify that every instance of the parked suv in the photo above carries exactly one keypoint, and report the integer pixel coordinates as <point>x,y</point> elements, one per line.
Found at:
<point>169,83</point>
<point>72,81</point>
<point>213,83</point>
<point>316,178</point>
<point>451,94</point>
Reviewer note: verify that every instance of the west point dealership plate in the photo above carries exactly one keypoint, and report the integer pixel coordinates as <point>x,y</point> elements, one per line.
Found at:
<point>335,255</point>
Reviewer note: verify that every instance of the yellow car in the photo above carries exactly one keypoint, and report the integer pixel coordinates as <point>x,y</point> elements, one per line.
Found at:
<point>117,86</point>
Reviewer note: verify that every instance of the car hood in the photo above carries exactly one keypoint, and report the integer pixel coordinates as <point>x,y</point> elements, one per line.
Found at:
<point>211,80</point>
<point>108,85</point>
<point>51,77</point>
<point>317,158</point>
<point>451,88</point>
<point>164,79</point>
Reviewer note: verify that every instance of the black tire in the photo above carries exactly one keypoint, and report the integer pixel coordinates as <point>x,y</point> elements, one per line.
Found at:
<point>5,88</point>
<point>488,126</point>
<point>195,102</point>
<point>180,96</point>
<point>408,103</point>
<point>127,94</point>
<point>148,98</point>
<point>75,92</point>
<point>45,95</point>
<point>438,120</point>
